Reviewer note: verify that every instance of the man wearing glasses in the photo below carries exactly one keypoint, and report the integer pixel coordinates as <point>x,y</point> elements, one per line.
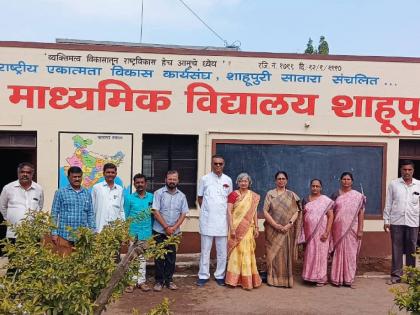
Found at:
<point>213,190</point>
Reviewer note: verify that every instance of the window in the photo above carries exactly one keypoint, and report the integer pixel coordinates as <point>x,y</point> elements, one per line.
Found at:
<point>171,152</point>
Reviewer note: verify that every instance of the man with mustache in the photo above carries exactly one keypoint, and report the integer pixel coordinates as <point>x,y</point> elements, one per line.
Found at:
<point>108,198</point>
<point>401,218</point>
<point>137,207</point>
<point>72,207</point>
<point>19,196</point>
<point>169,208</point>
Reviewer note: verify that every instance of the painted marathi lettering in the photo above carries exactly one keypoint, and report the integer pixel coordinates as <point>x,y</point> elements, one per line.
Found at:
<point>101,59</point>
<point>125,72</point>
<point>204,98</point>
<point>63,57</point>
<point>187,63</point>
<point>249,78</point>
<point>166,62</point>
<point>140,61</point>
<point>109,93</point>
<point>383,109</point>
<point>74,70</point>
<point>186,74</point>
<point>356,79</point>
<point>301,78</point>
<point>209,63</point>
<point>18,68</point>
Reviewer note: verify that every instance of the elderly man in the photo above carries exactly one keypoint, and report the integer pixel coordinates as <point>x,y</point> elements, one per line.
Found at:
<point>170,208</point>
<point>401,217</point>
<point>107,198</point>
<point>72,207</point>
<point>19,196</point>
<point>212,198</point>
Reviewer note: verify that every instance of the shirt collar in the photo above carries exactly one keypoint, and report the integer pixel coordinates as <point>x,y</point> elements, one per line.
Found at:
<point>71,188</point>
<point>17,184</point>
<point>105,184</point>
<point>137,195</point>
<point>215,175</point>
<point>413,182</point>
<point>165,189</point>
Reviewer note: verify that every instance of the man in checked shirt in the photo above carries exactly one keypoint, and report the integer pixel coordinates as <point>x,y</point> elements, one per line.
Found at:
<point>72,207</point>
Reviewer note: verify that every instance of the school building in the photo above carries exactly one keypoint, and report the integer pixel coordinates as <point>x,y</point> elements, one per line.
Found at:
<point>150,109</point>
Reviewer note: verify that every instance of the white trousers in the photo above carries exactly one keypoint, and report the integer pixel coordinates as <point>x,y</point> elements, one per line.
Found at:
<point>221,251</point>
<point>141,276</point>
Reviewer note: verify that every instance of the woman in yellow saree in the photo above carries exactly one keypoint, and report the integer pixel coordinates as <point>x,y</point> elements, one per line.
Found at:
<point>243,225</point>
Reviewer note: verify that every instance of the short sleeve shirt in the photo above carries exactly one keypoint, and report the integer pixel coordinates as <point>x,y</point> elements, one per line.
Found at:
<point>170,207</point>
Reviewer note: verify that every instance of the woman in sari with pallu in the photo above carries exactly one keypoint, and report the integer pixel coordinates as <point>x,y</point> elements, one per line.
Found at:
<point>282,212</point>
<point>347,231</point>
<point>243,225</point>
<point>317,221</point>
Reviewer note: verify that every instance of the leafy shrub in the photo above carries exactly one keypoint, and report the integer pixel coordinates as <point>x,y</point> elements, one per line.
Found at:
<point>48,283</point>
<point>408,296</point>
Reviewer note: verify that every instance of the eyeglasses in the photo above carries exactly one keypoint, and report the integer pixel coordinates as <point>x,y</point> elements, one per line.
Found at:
<point>281,178</point>
<point>218,164</point>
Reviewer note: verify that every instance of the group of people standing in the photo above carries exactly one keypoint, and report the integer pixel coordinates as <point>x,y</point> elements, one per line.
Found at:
<point>74,206</point>
<point>326,225</point>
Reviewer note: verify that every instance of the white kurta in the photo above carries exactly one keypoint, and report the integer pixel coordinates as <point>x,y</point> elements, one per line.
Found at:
<point>108,204</point>
<point>213,212</point>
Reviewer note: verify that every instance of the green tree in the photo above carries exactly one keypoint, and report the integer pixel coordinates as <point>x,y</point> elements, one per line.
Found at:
<point>323,48</point>
<point>310,50</point>
<point>48,283</point>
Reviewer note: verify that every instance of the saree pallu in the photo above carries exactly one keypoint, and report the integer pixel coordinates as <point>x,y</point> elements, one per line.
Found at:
<point>281,248</point>
<point>344,237</point>
<point>242,266</point>
<point>315,259</point>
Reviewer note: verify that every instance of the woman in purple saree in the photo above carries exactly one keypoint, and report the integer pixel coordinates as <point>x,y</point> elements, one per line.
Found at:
<point>317,221</point>
<point>347,231</point>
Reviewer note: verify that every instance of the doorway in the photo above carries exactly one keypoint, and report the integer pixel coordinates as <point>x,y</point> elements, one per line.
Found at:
<point>410,150</point>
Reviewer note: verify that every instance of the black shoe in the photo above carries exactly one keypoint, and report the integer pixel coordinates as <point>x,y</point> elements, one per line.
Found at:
<point>220,282</point>
<point>201,282</point>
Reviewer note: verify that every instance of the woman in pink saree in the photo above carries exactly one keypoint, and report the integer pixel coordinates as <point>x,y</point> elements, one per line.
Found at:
<point>317,221</point>
<point>347,231</point>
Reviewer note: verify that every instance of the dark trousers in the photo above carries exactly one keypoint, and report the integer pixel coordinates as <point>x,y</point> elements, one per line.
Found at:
<point>11,271</point>
<point>404,241</point>
<point>165,268</point>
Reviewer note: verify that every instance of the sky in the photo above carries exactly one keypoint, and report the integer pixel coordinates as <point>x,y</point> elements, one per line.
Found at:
<point>351,27</point>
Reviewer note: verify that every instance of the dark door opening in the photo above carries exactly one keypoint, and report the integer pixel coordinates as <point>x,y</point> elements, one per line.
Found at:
<point>410,150</point>
<point>166,152</point>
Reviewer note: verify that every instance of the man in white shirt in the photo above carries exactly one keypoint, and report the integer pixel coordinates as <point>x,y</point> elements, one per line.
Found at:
<point>19,196</point>
<point>213,191</point>
<point>107,199</point>
<point>401,217</point>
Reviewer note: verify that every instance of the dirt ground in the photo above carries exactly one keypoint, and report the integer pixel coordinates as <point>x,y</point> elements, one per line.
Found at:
<point>371,296</point>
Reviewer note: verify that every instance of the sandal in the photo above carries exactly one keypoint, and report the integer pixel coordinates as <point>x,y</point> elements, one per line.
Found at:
<point>129,289</point>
